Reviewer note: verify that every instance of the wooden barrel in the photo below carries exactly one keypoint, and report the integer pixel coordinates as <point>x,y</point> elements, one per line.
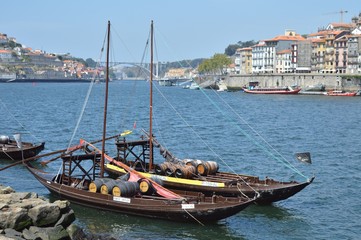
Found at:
<point>202,168</point>
<point>185,171</point>
<point>125,188</point>
<point>157,180</point>
<point>107,187</point>
<point>213,167</point>
<point>188,162</point>
<point>95,185</point>
<point>160,168</point>
<point>146,187</point>
<point>170,170</point>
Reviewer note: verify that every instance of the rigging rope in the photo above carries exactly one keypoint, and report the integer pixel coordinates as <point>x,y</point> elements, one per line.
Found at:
<point>281,158</point>
<point>87,96</point>
<point>275,154</point>
<point>203,141</point>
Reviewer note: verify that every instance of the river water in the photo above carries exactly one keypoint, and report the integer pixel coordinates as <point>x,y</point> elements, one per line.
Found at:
<point>231,128</point>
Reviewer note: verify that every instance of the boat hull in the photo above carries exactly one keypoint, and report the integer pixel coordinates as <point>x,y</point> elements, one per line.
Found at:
<point>12,152</point>
<point>229,185</point>
<point>151,207</point>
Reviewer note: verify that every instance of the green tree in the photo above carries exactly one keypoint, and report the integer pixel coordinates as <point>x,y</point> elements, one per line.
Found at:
<point>232,48</point>
<point>90,63</point>
<point>215,65</point>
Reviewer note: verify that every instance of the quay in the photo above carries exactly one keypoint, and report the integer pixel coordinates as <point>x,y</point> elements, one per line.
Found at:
<point>345,82</point>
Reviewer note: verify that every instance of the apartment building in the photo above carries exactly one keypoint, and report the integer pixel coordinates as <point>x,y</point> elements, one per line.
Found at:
<point>353,53</point>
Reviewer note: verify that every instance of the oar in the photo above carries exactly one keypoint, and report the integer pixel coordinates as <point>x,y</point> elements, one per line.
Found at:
<point>32,158</point>
<point>47,154</point>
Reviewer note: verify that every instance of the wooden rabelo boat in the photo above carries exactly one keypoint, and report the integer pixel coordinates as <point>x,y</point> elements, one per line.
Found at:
<point>198,175</point>
<point>272,90</point>
<point>82,180</point>
<point>17,150</point>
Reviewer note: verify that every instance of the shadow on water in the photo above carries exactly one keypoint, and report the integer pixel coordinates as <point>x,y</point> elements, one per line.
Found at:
<point>122,226</point>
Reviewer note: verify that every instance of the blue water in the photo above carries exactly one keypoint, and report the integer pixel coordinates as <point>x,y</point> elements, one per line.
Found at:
<point>214,126</point>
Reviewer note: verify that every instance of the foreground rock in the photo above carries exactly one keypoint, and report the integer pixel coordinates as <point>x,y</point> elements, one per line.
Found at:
<point>28,216</point>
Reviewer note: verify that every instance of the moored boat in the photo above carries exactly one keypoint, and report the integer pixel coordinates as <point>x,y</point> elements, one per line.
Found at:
<point>13,149</point>
<point>199,175</point>
<point>272,90</point>
<point>82,180</point>
<point>341,93</point>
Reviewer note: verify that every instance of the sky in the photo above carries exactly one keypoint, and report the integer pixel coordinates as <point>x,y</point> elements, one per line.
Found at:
<point>185,29</point>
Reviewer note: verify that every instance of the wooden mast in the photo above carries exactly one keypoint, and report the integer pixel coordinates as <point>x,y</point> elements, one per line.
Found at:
<point>151,101</point>
<point>105,104</point>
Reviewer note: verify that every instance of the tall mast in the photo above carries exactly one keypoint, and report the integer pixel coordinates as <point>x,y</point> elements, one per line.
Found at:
<point>151,101</point>
<point>105,104</point>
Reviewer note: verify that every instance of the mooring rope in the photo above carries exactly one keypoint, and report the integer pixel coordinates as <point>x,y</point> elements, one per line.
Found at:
<point>193,217</point>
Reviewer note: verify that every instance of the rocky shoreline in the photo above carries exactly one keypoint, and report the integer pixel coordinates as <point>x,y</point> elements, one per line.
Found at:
<point>25,215</point>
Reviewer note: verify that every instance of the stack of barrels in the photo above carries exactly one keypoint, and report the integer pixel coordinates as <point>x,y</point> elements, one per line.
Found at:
<point>123,188</point>
<point>116,187</point>
<point>187,168</point>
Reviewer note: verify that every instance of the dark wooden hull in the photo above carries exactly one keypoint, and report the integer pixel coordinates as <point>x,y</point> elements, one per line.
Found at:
<point>12,152</point>
<point>238,185</point>
<point>150,207</point>
<point>269,192</point>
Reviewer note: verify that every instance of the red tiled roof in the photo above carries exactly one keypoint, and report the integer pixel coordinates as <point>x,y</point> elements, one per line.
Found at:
<point>284,51</point>
<point>286,38</point>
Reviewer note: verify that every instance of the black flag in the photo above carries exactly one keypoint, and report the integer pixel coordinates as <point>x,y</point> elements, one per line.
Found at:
<point>304,157</point>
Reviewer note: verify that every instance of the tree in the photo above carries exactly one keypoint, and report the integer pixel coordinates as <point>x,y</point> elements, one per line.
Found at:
<point>215,65</point>
<point>232,48</point>
<point>90,63</point>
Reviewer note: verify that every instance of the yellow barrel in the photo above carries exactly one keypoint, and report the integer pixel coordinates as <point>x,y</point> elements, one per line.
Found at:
<point>107,187</point>
<point>95,185</point>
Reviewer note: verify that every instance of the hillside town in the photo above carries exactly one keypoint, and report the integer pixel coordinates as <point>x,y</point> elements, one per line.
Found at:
<point>335,49</point>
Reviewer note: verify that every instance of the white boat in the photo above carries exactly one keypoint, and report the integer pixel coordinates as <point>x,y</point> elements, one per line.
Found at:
<point>194,86</point>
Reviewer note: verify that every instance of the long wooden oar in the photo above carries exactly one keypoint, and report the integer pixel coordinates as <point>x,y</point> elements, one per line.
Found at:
<point>32,158</point>
<point>47,154</point>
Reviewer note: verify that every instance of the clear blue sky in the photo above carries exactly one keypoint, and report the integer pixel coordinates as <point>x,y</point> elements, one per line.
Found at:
<point>187,29</point>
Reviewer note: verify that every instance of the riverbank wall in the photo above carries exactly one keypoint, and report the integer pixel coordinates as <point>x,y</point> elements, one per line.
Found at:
<point>331,81</point>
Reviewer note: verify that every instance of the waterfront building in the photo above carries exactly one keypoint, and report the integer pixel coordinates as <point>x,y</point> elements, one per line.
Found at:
<point>353,53</point>
<point>301,56</point>
<point>317,55</point>
<point>341,54</point>
<point>5,55</point>
<point>283,61</point>
<point>258,57</point>
<point>243,61</point>
<point>237,61</point>
<point>265,59</point>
